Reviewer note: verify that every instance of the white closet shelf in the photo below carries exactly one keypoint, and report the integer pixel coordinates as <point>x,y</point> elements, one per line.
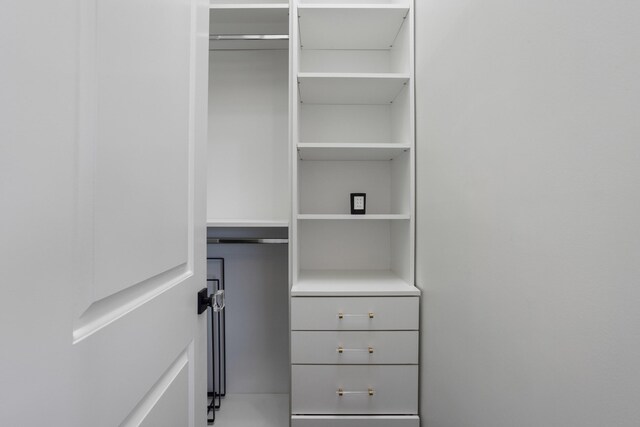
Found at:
<point>350,151</point>
<point>256,19</point>
<point>247,223</point>
<point>245,6</point>
<point>350,88</point>
<point>245,14</point>
<point>354,217</point>
<point>351,26</point>
<point>351,283</point>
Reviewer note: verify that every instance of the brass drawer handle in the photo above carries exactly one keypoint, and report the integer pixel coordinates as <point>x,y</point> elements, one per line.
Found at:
<point>341,350</point>
<point>341,315</point>
<point>341,392</point>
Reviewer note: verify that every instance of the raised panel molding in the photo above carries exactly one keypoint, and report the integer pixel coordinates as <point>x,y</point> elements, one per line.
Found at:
<point>150,213</point>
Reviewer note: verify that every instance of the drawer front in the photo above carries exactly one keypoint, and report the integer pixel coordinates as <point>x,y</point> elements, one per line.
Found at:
<point>360,347</point>
<point>354,313</point>
<point>354,389</point>
<point>355,421</point>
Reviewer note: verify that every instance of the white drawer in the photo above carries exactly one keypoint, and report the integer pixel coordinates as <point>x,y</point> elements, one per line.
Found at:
<point>355,421</point>
<point>366,389</point>
<point>354,313</point>
<point>359,347</point>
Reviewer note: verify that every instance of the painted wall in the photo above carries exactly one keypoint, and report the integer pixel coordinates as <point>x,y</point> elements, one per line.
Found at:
<point>528,248</point>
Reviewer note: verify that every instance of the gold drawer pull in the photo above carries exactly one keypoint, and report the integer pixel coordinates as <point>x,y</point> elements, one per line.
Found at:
<point>341,392</point>
<point>341,315</point>
<point>341,350</point>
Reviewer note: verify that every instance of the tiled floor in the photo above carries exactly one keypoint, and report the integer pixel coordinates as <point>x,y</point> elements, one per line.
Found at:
<point>253,410</point>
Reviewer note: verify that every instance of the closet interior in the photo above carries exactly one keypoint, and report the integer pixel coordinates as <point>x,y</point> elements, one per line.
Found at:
<point>310,103</point>
<point>248,209</point>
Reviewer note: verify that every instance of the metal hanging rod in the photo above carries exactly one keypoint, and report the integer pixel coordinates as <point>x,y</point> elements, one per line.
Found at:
<point>212,240</point>
<point>226,37</point>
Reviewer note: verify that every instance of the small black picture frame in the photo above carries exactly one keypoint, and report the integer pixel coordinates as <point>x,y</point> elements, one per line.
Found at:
<point>358,203</point>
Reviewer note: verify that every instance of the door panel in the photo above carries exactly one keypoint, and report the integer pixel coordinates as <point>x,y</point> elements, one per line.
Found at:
<point>142,127</point>
<point>138,336</point>
<point>135,150</point>
<point>105,212</point>
<point>167,403</point>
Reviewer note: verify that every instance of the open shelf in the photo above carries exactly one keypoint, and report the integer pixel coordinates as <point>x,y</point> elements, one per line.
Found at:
<point>324,186</point>
<point>353,151</point>
<point>351,283</point>
<point>328,244</point>
<point>249,19</point>
<point>354,217</point>
<point>244,6</point>
<point>350,26</point>
<point>353,130</point>
<point>247,223</point>
<point>350,88</point>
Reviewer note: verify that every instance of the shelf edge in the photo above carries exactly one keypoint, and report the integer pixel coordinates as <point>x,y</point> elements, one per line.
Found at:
<point>247,223</point>
<point>244,6</point>
<point>339,217</point>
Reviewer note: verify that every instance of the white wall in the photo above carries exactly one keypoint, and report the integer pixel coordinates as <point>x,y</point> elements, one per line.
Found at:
<point>528,247</point>
<point>37,169</point>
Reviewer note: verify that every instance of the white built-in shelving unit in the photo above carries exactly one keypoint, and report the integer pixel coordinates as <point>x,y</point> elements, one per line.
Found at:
<point>295,127</point>
<point>353,292</point>
<point>353,133</point>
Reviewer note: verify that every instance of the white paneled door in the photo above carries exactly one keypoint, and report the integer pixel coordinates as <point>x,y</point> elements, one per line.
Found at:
<point>102,186</point>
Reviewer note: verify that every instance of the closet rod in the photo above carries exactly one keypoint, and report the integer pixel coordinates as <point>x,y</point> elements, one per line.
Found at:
<point>225,37</point>
<point>211,240</point>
